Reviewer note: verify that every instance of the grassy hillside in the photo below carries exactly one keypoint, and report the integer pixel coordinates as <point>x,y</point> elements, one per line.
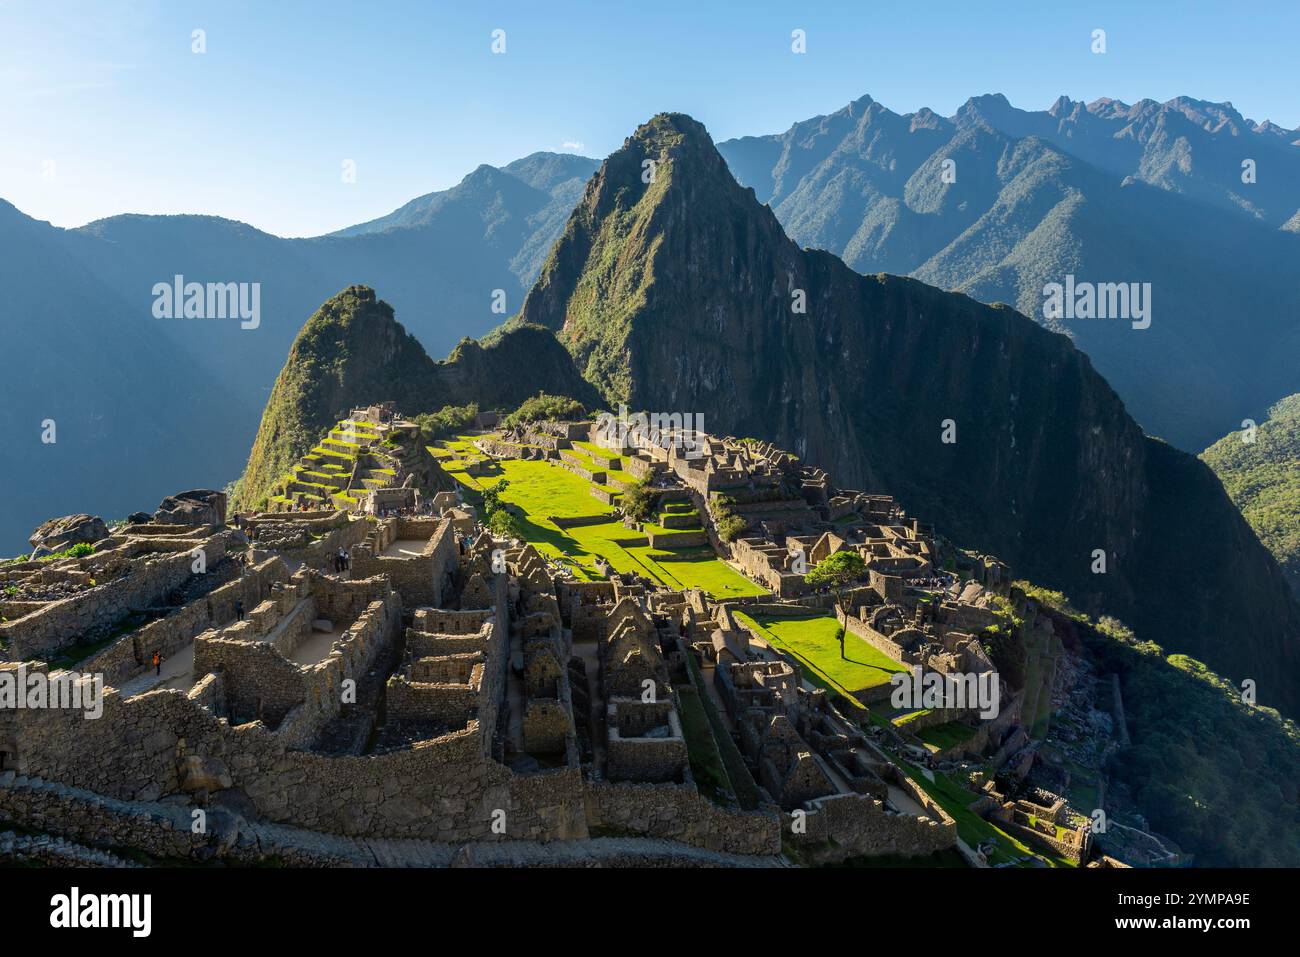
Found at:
<point>1263,479</point>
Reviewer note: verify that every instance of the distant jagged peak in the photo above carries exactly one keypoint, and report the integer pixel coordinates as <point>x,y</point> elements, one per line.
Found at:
<point>986,105</point>
<point>545,170</point>
<point>1209,116</point>
<point>1105,107</point>
<point>927,119</point>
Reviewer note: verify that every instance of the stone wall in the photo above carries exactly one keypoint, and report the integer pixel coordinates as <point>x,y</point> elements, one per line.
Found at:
<point>632,756</point>
<point>442,789</point>
<point>445,621</point>
<point>882,643</point>
<point>841,826</point>
<point>261,683</point>
<point>320,553</point>
<point>548,726</point>
<point>678,812</point>
<point>90,615</point>
<point>420,580</point>
<point>423,644</point>
<point>131,655</point>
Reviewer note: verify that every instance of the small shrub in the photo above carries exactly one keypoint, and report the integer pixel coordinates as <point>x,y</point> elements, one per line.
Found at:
<point>727,522</point>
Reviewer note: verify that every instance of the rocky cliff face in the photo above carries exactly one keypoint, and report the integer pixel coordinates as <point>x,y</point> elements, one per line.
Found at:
<point>683,294</point>
<point>352,352</point>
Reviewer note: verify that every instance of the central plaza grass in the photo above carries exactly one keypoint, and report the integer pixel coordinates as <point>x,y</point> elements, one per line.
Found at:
<point>811,639</point>
<point>542,491</point>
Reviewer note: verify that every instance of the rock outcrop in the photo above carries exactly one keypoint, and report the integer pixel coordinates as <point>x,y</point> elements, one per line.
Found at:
<point>60,533</point>
<point>200,506</point>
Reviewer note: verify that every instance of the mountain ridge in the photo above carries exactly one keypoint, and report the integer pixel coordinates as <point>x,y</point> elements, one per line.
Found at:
<point>676,295</point>
<point>1260,469</point>
<point>205,383</point>
<point>998,202</point>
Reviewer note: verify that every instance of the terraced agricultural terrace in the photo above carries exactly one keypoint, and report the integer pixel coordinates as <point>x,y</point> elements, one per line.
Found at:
<point>370,450</point>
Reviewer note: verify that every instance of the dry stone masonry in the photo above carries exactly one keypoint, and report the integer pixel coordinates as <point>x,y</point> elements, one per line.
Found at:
<point>474,700</point>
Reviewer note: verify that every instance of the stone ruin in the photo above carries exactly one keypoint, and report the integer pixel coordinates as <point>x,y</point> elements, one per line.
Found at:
<point>451,697</point>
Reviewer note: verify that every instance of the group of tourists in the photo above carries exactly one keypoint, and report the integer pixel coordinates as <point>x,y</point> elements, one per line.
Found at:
<point>342,560</point>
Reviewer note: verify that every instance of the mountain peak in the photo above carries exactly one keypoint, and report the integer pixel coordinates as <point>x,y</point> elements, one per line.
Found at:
<point>678,291</point>
<point>668,129</point>
<point>353,352</point>
<point>994,103</point>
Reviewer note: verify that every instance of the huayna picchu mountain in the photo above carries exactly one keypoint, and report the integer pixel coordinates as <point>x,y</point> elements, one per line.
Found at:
<point>676,290</point>
<point>352,352</point>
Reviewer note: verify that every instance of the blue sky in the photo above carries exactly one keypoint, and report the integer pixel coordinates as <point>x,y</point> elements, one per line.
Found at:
<point>105,109</point>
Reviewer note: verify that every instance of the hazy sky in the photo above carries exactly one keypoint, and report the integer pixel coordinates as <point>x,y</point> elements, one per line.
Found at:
<point>105,109</point>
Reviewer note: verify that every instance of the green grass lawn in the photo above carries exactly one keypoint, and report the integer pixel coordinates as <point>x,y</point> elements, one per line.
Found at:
<point>698,568</point>
<point>941,737</point>
<point>811,639</point>
<point>542,490</point>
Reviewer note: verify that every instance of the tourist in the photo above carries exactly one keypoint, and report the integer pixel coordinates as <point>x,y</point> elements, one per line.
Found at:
<point>157,663</point>
<point>239,609</point>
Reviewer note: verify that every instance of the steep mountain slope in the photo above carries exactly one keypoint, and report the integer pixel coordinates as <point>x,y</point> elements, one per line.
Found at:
<point>997,202</point>
<point>680,296</point>
<point>516,212</point>
<point>1263,478</point>
<point>198,385</point>
<point>352,352</point>
<point>121,399</point>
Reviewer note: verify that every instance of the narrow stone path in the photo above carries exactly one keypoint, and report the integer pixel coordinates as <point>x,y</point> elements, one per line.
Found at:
<point>177,672</point>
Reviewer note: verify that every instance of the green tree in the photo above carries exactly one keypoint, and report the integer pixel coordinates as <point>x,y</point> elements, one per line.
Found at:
<point>449,420</point>
<point>503,524</point>
<point>639,501</point>
<point>492,498</point>
<point>837,572</point>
